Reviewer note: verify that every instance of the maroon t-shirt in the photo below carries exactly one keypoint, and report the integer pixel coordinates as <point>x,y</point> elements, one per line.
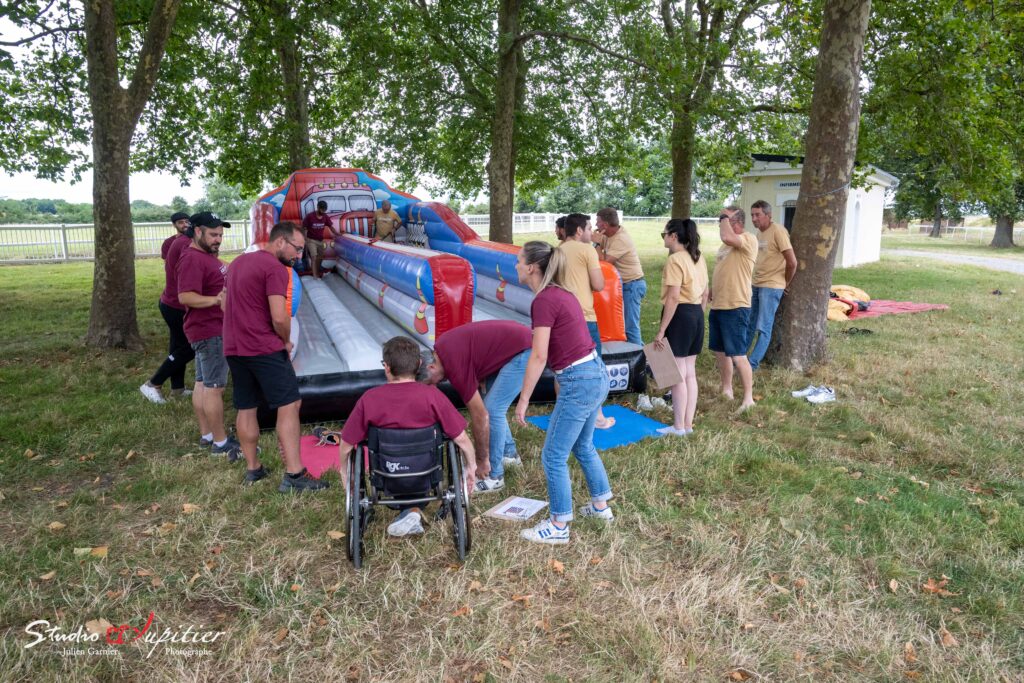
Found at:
<point>171,252</point>
<point>315,225</point>
<point>402,405</point>
<point>475,351</point>
<point>248,327</point>
<point>203,274</point>
<point>570,340</point>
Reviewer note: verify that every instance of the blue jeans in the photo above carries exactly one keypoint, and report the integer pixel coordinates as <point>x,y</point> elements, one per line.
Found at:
<point>763,304</point>
<point>633,294</point>
<point>583,388</point>
<point>502,389</point>
<point>595,334</point>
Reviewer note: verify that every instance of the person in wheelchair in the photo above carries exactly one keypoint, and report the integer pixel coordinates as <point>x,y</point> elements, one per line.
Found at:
<point>404,403</point>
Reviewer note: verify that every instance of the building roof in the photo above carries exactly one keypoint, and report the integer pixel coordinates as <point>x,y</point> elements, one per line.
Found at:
<point>793,164</point>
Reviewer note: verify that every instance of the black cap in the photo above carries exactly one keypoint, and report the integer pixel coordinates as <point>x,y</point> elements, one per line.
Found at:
<point>178,215</point>
<point>207,219</point>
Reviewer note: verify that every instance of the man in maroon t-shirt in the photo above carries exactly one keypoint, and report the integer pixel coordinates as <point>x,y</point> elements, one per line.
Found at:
<point>469,356</point>
<point>257,330</point>
<point>422,406</point>
<point>316,225</point>
<point>201,290</point>
<point>179,351</point>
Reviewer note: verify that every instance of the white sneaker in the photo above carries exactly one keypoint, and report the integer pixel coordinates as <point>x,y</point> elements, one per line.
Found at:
<point>511,461</point>
<point>672,431</point>
<point>805,392</point>
<point>546,532</point>
<point>589,510</point>
<point>406,524</point>
<point>152,393</point>
<point>486,485</point>
<point>644,403</point>
<point>823,395</point>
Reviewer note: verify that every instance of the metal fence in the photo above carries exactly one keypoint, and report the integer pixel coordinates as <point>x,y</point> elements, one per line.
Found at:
<point>960,233</point>
<point>75,242</point>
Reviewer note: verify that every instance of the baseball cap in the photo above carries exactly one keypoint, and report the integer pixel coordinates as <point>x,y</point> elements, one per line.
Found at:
<point>208,219</point>
<point>178,215</point>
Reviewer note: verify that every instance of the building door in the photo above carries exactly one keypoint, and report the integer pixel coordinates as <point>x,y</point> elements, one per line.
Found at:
<point>789,209</point>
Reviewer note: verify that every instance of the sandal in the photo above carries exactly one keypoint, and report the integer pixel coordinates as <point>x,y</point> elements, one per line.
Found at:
<point>327,437</point>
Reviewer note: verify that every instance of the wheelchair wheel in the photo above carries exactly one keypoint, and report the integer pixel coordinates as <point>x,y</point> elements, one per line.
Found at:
<point>460,504</point>
<point>353,511</point>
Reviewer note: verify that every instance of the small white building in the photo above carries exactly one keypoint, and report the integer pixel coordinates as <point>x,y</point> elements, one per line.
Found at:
<point>776,179</point>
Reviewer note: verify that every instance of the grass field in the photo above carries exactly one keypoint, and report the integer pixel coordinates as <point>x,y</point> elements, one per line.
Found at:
<point>791,543</point>
<point>948,244</point>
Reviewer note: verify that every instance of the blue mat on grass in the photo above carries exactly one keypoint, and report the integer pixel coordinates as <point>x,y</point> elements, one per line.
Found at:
<point>630,427</point>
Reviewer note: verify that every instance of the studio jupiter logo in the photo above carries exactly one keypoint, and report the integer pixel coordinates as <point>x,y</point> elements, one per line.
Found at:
<point>100,637</point>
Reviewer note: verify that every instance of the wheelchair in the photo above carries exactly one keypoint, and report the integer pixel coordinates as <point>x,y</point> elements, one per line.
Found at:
<point>408,467</point>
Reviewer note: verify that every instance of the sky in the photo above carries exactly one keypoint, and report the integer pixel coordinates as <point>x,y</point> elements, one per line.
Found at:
<point>158,188</point>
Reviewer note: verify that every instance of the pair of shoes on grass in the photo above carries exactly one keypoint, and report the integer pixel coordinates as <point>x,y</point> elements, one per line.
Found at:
<point>816,395</point>
<point>408,523</point>
<point>548,533</point>
<point>672,431</point>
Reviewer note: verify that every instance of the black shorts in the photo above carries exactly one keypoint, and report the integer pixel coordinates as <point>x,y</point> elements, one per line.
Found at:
<point>269,378</point>
<point>685,333</point>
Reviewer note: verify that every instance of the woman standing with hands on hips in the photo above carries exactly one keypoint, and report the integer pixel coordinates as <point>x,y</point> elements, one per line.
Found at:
<point>684,296</point>
<point>562,342</point>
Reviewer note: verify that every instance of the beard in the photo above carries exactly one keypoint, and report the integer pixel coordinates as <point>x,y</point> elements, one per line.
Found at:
<point>285,261</point>
<point>210,248</point>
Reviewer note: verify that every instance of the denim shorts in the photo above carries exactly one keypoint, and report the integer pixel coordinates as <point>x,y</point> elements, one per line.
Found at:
<point>211,365</point>
<point>727,331</point>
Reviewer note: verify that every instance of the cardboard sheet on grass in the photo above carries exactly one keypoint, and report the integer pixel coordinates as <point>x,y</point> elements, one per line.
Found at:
<point>517,508</point>
<point>630,427</point>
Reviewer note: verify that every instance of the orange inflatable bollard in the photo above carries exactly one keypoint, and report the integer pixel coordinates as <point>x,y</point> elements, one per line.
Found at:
<point>611,321</point>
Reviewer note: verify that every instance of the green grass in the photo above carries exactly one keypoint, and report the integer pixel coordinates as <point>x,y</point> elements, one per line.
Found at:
<point>949,244</point>
<point>764,544</point>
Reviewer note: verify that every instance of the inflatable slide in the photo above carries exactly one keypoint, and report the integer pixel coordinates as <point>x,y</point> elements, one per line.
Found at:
<point>438,275</point>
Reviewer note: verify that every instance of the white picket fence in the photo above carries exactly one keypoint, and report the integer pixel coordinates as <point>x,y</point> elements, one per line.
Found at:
<point>75,242</point>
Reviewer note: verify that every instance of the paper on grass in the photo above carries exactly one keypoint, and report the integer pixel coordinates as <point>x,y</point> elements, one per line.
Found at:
<point>517,508</point>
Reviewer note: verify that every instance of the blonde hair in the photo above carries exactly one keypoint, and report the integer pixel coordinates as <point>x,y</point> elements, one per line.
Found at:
<point>550,260</point>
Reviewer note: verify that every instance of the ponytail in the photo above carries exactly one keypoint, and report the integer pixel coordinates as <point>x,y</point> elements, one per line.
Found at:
<point>685,231</point>
<point>550,260</point>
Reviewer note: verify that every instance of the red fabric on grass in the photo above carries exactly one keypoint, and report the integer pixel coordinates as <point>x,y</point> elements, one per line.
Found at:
<point>318,459</point>
<point>884,307</point>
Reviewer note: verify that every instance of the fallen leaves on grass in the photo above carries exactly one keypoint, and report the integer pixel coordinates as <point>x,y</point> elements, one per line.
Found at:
<point>594,561</point>
<point>156,582</point>
<point>56,526</point>
<point>523,600</point>
<point>938,587</point>
<point>475,586</point>
<point>463,611</point>
<point>296,588</point>
<point>556,566</point>
<point>280,636</point>
<point>919,482</point>
<point>894,585</point>
<point>860,501</point>
<point>189,508</point>
<point>29,453</point>
<point>335,535</point>
<point>48,576</point>
<point>166,528</point>
<point>144,572</point>
<point>100,551</point>
<point>739,675</point>
<point>800,583</point>
<point>114,595</point>
<point>98,627</point>
<point>909,653</point>
<point>217,549</point>
<point>131,455</point>
<point>947,638</point>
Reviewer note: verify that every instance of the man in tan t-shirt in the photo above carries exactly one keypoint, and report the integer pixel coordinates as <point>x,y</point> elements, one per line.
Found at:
<point>583,277</point>
<point>615,246</point>
<point>775,268</point>
<point>386,222</point>
<point>730,302</point>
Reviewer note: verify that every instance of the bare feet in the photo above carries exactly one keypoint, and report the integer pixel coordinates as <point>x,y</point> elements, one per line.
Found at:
<point>607,423</point>
<point>746,405</point>
<point>728,393</point>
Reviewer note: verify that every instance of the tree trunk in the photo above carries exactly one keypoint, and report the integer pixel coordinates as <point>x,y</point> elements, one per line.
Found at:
<point>937,221</point>
<point>799,340</point>
<point>296,102</point>
<point>115,113</point>
<point>500,172</point>
<point>1004,232</point>
<point>682,140</point>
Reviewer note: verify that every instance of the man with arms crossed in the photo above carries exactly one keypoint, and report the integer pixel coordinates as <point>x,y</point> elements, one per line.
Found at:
<point>257,329</point>
<point>730,303</point>
<point>615,246</point>
<point>201,291</point>
<point>775,268</point>
<point>316,224</point>
<point>468,356</point>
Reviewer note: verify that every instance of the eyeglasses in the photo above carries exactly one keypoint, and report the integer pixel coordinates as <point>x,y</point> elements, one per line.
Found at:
<point>295,247</point>
<point>664,235</point>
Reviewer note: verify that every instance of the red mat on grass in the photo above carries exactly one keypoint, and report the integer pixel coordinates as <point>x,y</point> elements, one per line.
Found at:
<point>318,459</point>
<point>883,307</point>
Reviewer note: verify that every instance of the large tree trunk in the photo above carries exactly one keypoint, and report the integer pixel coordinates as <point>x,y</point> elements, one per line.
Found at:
<point>682,140</point>
<point>1004,232</point>
<point>500,165</point>
<point>115,113</point>
<point>800,339</point>
<point>296,102</point>
<point>937,221</point>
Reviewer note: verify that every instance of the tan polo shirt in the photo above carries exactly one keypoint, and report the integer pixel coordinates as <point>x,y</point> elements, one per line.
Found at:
<point>580,259</point>
<point>691,278</point>
<point>734,270</point>
<point>620,247</point>
<point>770,270</point>
<point>386,223</point>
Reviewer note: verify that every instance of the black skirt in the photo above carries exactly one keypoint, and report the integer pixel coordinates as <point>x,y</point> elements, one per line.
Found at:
<point>685,333</point>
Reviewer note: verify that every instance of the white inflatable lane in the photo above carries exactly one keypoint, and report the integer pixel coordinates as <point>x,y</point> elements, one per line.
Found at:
<point>357,350</point>
<point>314,352</point>
<point>504,294</point>
<point>488,310</point>
<point>380,327</point>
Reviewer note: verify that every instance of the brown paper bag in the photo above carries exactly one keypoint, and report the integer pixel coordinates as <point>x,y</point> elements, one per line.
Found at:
<point>663,365</point>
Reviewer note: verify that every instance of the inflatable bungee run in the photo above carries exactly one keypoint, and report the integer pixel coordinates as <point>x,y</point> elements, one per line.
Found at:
<point>437,276</point>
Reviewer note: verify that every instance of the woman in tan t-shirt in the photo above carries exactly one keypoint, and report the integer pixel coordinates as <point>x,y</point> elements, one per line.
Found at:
<point>684,296</point>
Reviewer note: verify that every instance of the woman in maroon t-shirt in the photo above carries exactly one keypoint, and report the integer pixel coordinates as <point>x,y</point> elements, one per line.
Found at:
<point>562,342</point>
